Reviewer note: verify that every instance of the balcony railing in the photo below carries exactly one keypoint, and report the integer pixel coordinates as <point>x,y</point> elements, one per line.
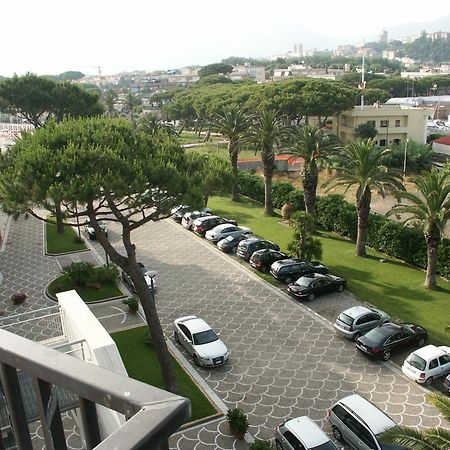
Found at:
<point>152,414</point>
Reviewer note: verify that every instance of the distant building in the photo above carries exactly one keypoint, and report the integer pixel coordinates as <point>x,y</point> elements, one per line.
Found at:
<point>383,39</point>
<point>248,72</point>
<point>394,124</point>
<point>345,50</point>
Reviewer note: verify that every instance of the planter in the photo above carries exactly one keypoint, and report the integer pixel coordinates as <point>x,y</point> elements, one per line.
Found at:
<point>237,434</point>
<point>18,298</point>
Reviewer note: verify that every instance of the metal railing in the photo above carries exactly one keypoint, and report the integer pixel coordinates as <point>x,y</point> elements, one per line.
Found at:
<point>153,414</point>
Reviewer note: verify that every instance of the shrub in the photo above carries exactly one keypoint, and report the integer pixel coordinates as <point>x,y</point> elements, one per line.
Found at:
<point>280,194</point>
<point>132,303</point>
<point>106,274</point>
<point>260,445</point>
<point>238,421</point>
<point>81,273</point>
<point>251,186</point>
<point>297,199</point>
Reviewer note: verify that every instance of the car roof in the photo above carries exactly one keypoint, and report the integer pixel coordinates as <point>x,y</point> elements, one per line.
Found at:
<point>194,324</point>
<point>206,218</point>
<point>431,351</point>
<point>356,311</point>
<point>222,226</point>
<point>374,418</point>
<point>307,430</point>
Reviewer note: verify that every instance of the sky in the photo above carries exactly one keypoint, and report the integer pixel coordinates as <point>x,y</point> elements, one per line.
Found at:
<point>53,36</point>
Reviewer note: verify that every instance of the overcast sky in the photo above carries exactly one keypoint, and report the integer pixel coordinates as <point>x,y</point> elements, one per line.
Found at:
<point>53,36</point>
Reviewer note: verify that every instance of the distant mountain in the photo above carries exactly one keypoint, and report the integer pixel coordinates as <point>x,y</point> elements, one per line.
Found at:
<point>412,28</point>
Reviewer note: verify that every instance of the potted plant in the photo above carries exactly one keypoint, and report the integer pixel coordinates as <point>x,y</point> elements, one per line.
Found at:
<point>259,444</point>
<point>238,422</point>
<point>132,303</point>
<point>18,298</point>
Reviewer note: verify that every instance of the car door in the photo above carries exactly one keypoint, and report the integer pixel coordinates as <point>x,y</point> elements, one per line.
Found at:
<point>356,432</point>
<point>367,321</point>
<point>290,442</point>
<point>186,338</point>
<point>318,287</point>
<point>444,364</point>
<point>397,340</point>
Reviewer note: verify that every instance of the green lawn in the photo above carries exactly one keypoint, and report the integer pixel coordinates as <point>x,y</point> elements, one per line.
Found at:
<point>88,294</point>
<point>391,285</point>
<point>141,363</point>
<point>62,243</point>
<point>222,151</point>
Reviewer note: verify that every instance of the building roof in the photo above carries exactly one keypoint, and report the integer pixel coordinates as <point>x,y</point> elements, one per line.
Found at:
<point>443,140</point>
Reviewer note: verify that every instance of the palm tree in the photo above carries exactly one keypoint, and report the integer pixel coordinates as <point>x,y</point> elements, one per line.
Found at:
<point>430,439</point>
<point>360,164</point>
<point>151,125</point>
<point>266,132</point>
<point>312,145</point>
<point>232,123</point>
<point>110,101</point>
<point>432,212</point>
<point>129,102</point>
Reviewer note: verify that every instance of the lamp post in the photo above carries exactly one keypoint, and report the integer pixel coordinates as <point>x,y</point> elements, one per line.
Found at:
<point>404,160</point>
<point>151,274</point>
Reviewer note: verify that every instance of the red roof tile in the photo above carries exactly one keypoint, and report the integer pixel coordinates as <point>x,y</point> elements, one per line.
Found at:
<point>443,140</point>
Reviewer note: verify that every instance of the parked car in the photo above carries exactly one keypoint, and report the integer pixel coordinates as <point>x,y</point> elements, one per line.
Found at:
<point>390,337</point>
<point>148,275</point>
<point>188,219</point>
<point>89,229</point>
<point>247,247</point>
<point>311,286</point>
<point>204,224</point>
<point>359,422</point>
<point>200,341</point>
<point>358,320</point>
<point>301,433</point>
<point>447,384</point>
<point>222,231</point>
<point>178,212</point>
<point>288,270</point>
<point>427,363</point>
<point>230,243</point>
<point>263,259</point>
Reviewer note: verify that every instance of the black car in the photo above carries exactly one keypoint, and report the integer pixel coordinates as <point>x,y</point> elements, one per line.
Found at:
<point>288,270</point>
<point>230,243</point>
<point>247,247</point>
<point>391,337</point>
<point>311,286</point>
<point>178,212</point>
<point>204,224</point>
<point>263,259</point>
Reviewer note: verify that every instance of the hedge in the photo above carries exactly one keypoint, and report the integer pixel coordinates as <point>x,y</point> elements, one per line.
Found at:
<point>334,213</point>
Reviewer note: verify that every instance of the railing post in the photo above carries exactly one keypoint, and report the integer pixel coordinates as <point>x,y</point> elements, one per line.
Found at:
<point>11,389</point>
<point>50,415</point>
<point>89,420</point>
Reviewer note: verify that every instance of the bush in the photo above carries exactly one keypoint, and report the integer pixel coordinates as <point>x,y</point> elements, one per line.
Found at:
<point>280,194</point>
<point>106,274</point>
<point>251,186</point>
<point>237,420</point>
<point>81,273</point>
<point>297,199</point>
<point>260,445</point>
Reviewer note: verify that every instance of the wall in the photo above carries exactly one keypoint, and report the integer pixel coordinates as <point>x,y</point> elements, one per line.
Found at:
<point>79,323</point>
<point>441,148</point>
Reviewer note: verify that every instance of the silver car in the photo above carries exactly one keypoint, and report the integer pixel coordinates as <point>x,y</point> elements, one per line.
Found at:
<point>226,229</point>
<point>356,321</point>
<point>200,341</point>
<point>301,433</point>
<point>359,422</point>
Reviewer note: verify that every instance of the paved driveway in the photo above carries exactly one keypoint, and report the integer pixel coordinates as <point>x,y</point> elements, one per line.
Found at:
<point>285,360</point>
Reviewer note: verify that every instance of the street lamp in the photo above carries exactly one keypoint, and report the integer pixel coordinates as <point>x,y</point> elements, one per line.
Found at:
<point>151,274</point>
<point>404,160</point>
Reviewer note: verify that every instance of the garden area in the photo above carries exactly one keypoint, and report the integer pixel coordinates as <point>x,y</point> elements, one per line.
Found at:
<point>141,362</point>
<point>66,242</point>
<point>391,285</point>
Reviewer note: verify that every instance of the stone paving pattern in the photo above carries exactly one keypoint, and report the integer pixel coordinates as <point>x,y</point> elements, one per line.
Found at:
<point>285,361</point>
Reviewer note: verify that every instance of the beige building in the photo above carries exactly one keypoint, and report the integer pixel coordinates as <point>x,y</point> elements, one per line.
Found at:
<point>394,124</point>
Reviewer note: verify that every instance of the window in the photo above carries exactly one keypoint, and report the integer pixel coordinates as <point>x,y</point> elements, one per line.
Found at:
<point>434,364</point>
<point>382,142</point>
<point>340,412</point>
<point>186,332</point>
<point>371,122</point>
<point>397,141</point>
<point>384,123</point>
<point>293,441</point>
<point>444,359</point>
<point>397,123</point>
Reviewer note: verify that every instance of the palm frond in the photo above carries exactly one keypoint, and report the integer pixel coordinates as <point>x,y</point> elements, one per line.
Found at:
<point>442,402</point>
<point>407,437</point>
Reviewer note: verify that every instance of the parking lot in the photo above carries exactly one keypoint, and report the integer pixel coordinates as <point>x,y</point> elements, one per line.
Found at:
<point>285,359</point>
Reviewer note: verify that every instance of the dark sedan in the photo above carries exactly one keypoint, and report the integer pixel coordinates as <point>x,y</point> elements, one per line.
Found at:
<point>204,224</point>
<point>230,243</point>
<point>288,270</point>
<point>391,337</point>
<point>311,286</point>
<point>247,247</point>
<point>263,259</point>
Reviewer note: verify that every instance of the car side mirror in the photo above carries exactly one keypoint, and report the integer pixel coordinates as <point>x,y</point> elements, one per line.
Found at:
<point>189,341</point>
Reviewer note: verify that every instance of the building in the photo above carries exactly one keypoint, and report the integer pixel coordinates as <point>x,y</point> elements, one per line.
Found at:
<point>394,124</point>
<point>441,150</point>
<point>248,72</point>
<point>383,38</point>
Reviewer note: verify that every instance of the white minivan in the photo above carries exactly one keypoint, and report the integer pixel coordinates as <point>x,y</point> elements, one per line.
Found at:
<point>427,363</point>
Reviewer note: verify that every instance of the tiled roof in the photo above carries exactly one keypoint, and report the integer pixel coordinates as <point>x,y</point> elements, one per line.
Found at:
<point>443,140</point>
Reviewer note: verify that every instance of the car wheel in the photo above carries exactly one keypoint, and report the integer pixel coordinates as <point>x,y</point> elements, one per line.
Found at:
<point>278,445</point>
<point>421,341</point>
<point>337,434</point>
<point>340,288</point>
<point>195,359</point>
<point>356,336</point>
<point>177,339</point>
<point>386,355</point>
<point>311,297</point>
<point>429,381</point>
<point>288,280</point>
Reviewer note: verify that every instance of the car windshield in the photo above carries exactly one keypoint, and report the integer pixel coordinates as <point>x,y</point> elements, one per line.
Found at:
<point>305,282</point>
<point>345,319</point>
<point>417,362</point>
<point>205,337</point>
<point>325,446</point>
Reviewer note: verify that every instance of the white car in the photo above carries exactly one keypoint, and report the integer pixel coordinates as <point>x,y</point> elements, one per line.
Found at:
<point>188,219</point>
<point>89,229</point>
<point>427,363</point>
<point>225,230</point>
<point>200,341</point>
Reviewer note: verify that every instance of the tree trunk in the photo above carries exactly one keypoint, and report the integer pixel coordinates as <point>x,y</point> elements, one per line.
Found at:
<point>59,218</point>
<point>432,257</point>
<point>310,181</point>
<point>233,152</point>
<point>269,163</point>
<point>363,208</point>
